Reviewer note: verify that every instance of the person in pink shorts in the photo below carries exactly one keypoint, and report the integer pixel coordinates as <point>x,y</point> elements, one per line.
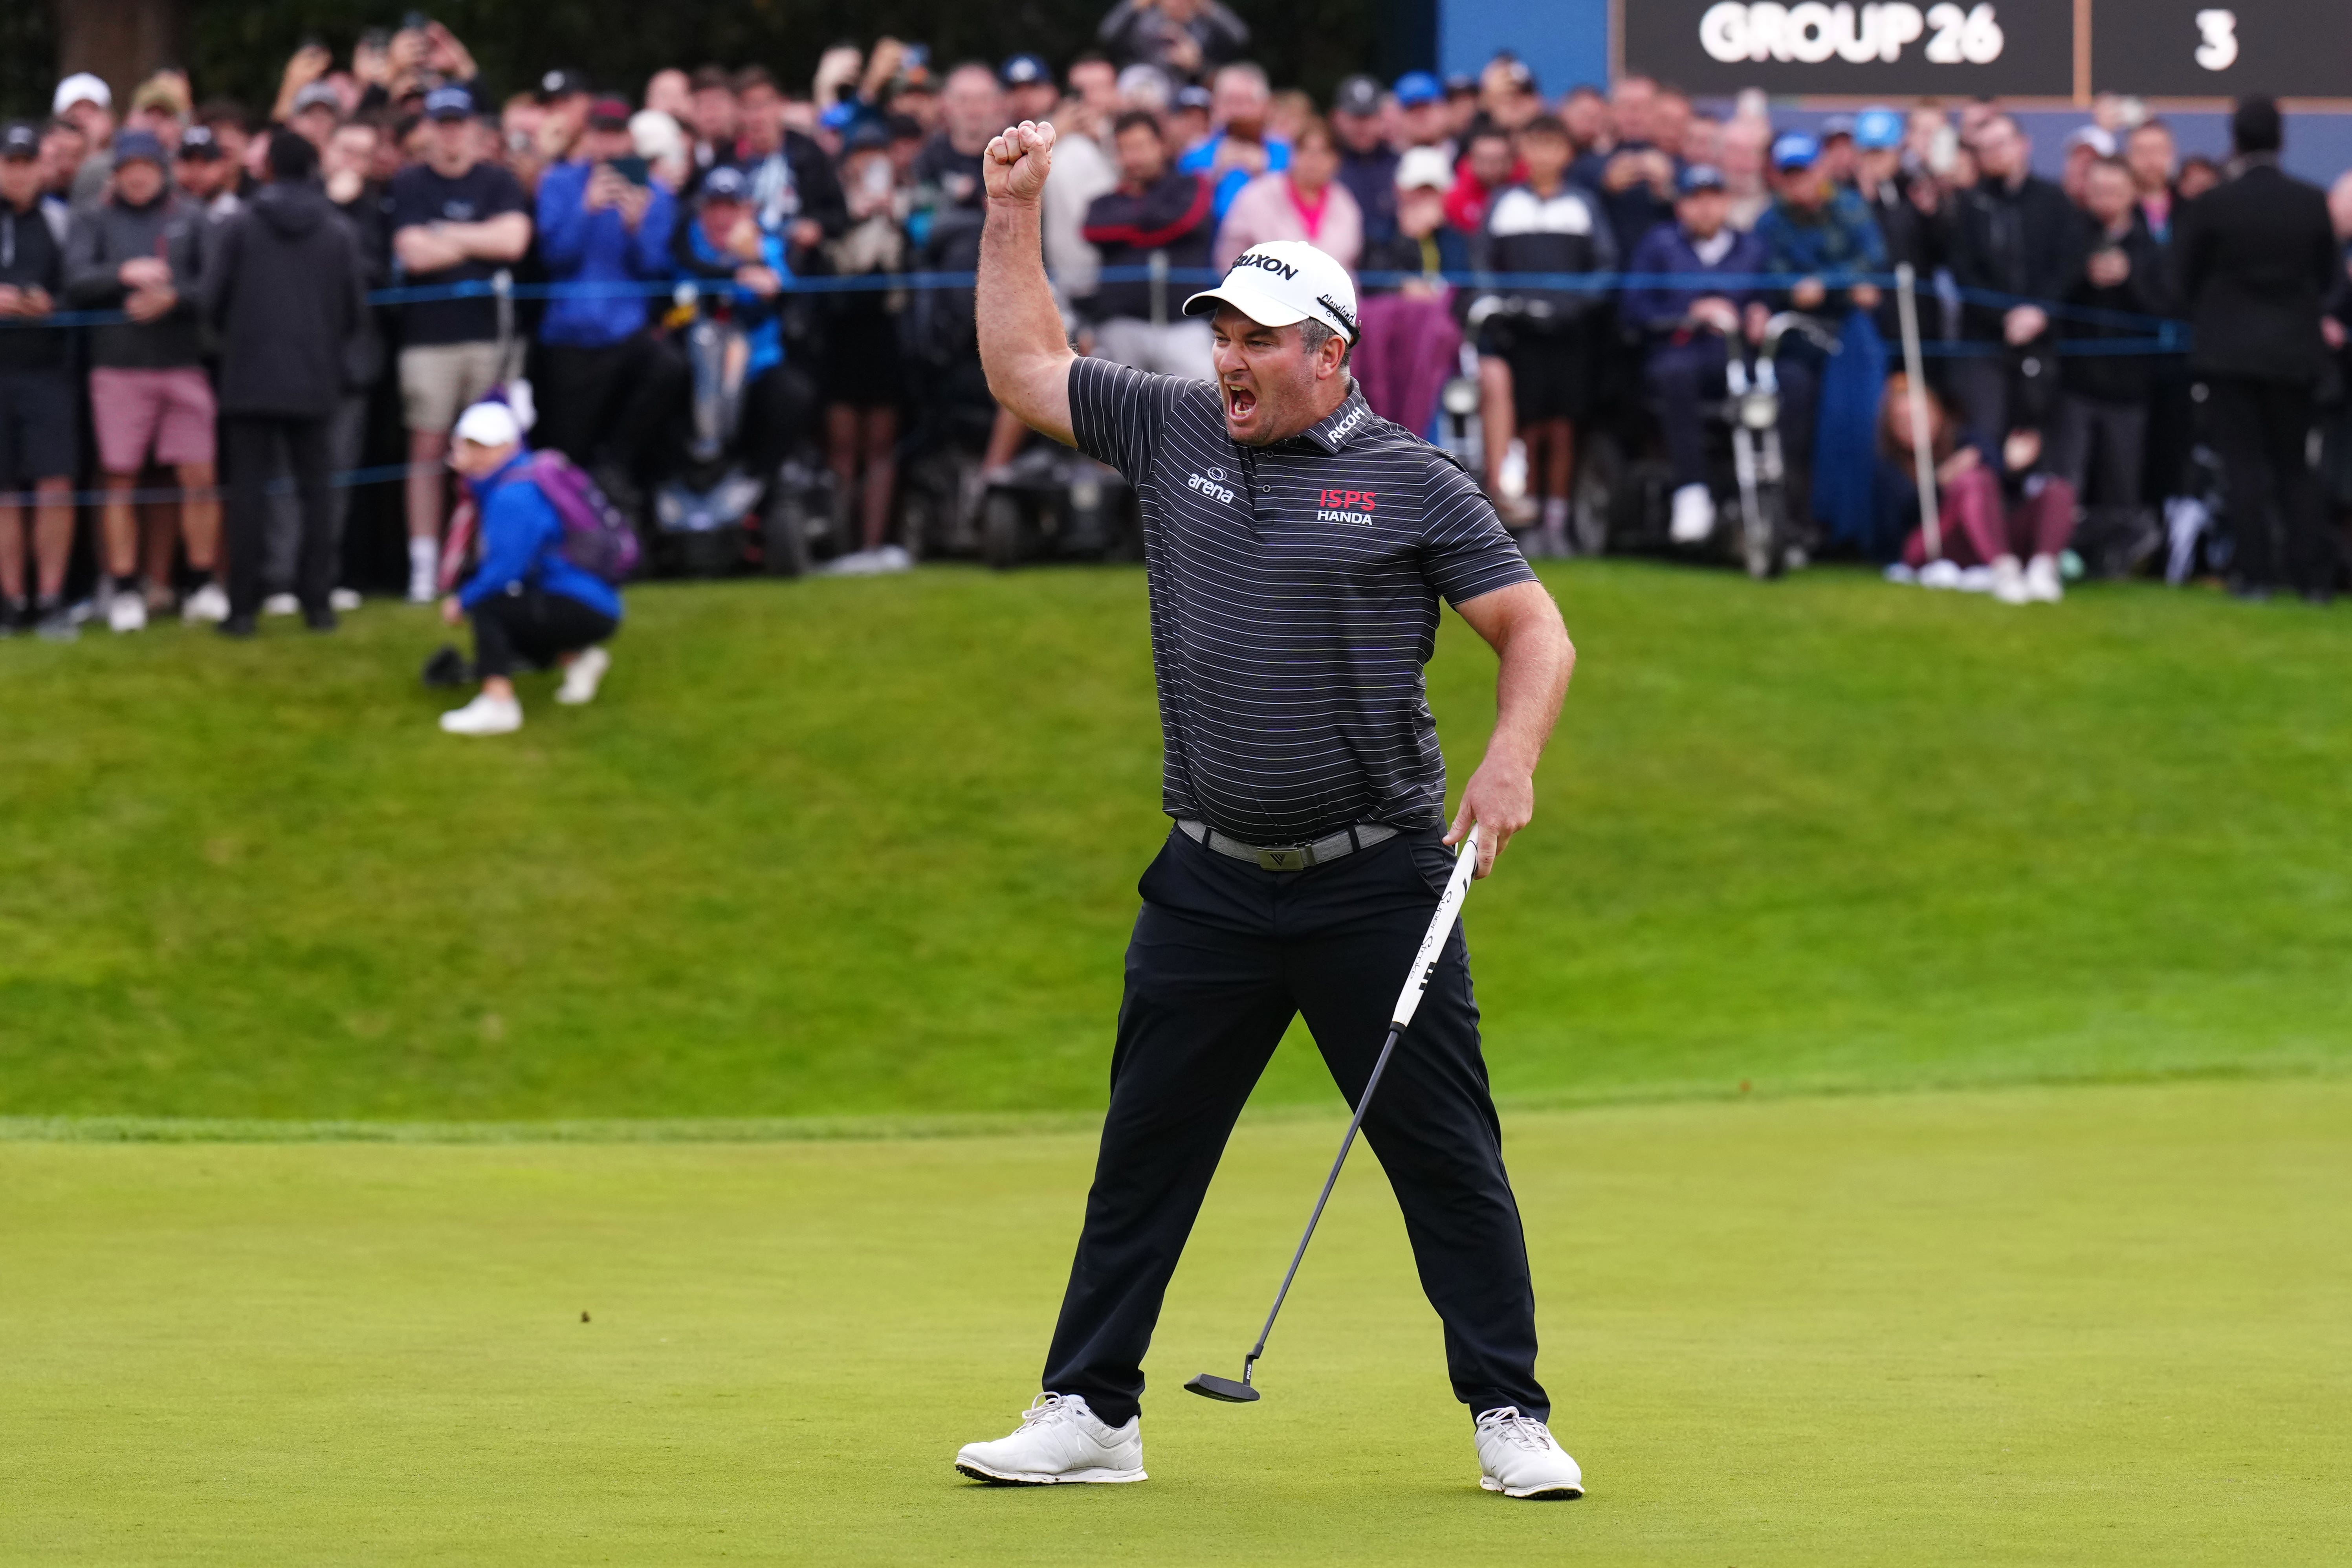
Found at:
<point>140,251</point>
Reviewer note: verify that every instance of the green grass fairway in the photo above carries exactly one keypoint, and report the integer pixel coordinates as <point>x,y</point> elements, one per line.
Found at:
<point>2037,1326</point>
<point>854,847</point>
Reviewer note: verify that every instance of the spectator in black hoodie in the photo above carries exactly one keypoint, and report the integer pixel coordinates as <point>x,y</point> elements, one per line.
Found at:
<point>2014,238</point>
<point>37,448</point>
<point>287,294</point>
<point>2102,407</point>
<point>2254,260</point>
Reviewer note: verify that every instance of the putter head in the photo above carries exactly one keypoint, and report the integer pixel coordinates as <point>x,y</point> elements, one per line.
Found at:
<point>1207,1385</point>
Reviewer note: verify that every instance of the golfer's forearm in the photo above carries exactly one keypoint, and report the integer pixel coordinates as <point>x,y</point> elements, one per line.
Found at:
<point>1021,343</point>
<point>1537,660</point>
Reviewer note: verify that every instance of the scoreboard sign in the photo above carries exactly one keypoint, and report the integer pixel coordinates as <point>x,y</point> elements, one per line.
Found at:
<point>2009,49</point>
<point>2221,48</point>
<point>2014,48</point>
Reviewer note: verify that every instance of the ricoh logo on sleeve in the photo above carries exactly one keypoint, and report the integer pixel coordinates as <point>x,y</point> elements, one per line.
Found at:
<point>1212,487</point>
<point>1346,506</point>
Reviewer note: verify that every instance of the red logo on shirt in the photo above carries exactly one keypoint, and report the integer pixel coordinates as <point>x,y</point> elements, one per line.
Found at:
<point>1348,500</point>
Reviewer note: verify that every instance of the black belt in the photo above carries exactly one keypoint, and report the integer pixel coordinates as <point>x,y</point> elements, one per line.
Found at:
<point>1289,857</point>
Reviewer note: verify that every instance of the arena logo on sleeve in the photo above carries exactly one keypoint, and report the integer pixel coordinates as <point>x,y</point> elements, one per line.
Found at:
<point>1346,506</point>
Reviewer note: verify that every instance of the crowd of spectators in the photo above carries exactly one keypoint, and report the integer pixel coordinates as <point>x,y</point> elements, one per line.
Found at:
<point>208,265</point>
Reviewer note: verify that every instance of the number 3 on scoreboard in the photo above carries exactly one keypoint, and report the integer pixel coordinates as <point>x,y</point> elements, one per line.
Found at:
<point>2219,52</point>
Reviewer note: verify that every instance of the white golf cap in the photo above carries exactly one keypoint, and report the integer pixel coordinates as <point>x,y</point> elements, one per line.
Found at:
<point>1424,169</point>
<point>82,88</point>
<point>1283,282</point>
<point>490,424</point>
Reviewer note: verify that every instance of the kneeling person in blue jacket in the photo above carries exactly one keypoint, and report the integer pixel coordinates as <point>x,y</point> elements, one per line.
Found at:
<point>528,599</point>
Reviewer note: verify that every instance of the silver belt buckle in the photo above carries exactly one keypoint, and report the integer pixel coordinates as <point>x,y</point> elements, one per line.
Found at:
<point>1291,859</point>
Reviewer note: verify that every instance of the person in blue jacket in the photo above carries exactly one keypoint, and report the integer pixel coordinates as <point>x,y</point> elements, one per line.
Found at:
<point>527,599</point>
<point>605,382</point>
<point>1689,323</point>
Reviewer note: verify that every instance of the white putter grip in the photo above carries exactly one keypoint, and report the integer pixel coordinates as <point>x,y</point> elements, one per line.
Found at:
<point>1441,926</point>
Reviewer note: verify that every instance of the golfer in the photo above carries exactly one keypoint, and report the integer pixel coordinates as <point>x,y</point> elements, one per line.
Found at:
<point>1297,547</point>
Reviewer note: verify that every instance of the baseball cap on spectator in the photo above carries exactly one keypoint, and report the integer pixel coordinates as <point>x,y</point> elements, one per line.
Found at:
<point>490,424</point>
<point>725,183</point>
<point>1699,177</point>
<point>1424,168</point>
<point>160,92</point>
<point>449,103</point>
<point>82,88</point>
<point>2097,138</point>
<point>1357,95</point>
<point>1023,70</point>
<point>1877,129</point>
<point>562,83</point>
<point>1517,72</point>
<point>1838,125</point>
<point>19,140</point>
<point>318,95</point>
<point>609,114</point>
<point>1461,84</point>
<point>1795,150</point>
<point>1417,88</point>
<point>1282,282</point>
<point>199,145</point>
<point>131,146</point>
<point>1192,95</point>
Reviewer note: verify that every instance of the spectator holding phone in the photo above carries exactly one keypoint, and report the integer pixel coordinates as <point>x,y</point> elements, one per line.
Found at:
<point>456,219</point>
<point>604,382</point>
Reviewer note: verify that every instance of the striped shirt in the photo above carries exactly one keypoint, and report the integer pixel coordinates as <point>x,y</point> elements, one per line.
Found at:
<point>1294,602</point>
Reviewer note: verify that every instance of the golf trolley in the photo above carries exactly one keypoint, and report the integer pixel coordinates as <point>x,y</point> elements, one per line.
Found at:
<point>1052,504</point>
<point>1761,535</point>
<point>704,517</point>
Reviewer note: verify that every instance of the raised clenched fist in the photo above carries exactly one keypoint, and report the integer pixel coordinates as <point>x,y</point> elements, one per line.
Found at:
<point>1017,161</point>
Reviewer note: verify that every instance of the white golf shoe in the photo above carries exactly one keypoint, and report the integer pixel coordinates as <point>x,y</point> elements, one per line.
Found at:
<point>2044,583</point>
<point>582,677</point>
<point>1694,515</point>
<point>127,612</point>
<point>206,606</point>
<point>1519,1456</point>
<point>485,715</point>
<point>1060,1440</point>
<point>2009,585</point>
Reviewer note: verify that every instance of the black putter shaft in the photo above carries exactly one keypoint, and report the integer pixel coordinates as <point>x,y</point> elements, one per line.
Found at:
<point>1441,925</point>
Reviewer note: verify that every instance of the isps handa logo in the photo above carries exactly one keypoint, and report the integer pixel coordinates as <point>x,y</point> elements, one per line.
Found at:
<point>1346,506</point>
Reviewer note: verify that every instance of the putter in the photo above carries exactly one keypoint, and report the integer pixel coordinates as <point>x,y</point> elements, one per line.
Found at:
<point>1457,887</point>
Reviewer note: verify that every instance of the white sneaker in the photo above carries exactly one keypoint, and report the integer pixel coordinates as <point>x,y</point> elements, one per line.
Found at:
<point>1939,574</point>
<point>485,715</point>
<point>1519,1456</point>
<point>1694,517</point>
<point>2008,581</point>
<point>582,677</point>
<point>2043,583</point>
<point>126,611</point>
<point>420,588</point>
<point>1060,1440</point>
<point>207,603</point>
<point>343,601</point>
<point>1976,579</point>
<point>282,604</point>
<point>1897,572</point>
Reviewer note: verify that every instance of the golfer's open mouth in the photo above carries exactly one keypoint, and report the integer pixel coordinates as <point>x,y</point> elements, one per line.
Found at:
<point>1240,401</point>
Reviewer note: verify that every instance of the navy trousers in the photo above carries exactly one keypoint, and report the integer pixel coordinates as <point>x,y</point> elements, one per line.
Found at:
<point>1224,954</point>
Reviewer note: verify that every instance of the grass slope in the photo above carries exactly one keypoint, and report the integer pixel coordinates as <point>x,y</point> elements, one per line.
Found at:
<point>2088,1326</point>
<point>848,847</point>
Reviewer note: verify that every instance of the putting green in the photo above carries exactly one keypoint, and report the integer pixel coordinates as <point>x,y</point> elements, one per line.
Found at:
<point>2027,1326</point>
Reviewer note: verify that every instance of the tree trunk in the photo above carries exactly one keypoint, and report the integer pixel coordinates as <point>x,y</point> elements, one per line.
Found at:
<point>122,41</point>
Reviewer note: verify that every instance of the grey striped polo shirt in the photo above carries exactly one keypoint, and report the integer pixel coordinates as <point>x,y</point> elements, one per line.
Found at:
<point>1294,602</point>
